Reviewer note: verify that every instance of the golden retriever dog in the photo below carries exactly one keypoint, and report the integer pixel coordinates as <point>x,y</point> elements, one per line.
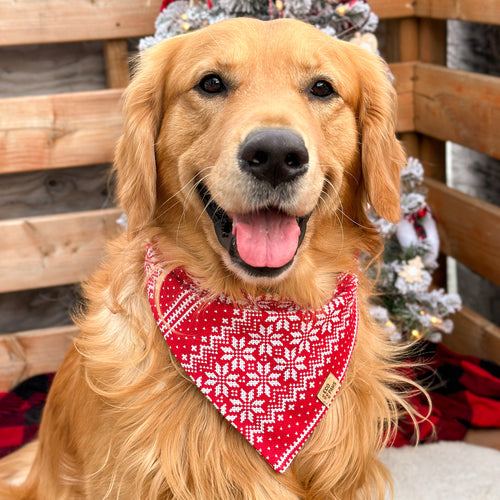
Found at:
<point>250,152</point>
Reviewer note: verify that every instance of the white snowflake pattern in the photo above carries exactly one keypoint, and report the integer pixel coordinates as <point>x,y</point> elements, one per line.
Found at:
<point>220,380</point>
<point>238,353</point>
<point>307,337</point>
<point>264,379</point>
<point>291,363</point>
<point>335,325</point>
<point>297,334</point>
<point>265,339</point>
<point>246,407</point>
<point>284,322</point>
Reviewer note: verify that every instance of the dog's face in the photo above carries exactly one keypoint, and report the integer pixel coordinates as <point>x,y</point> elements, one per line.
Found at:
<point>253,137</point>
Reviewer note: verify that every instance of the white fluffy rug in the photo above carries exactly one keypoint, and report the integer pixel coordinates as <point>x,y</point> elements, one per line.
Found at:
<point>446,470</point>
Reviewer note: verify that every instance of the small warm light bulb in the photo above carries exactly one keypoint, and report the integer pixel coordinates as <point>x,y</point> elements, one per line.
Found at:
<point>279,5</point>
<point>341,10</point>
<point>415,333</point>
<point>186,26</point>
<point>435,320</point>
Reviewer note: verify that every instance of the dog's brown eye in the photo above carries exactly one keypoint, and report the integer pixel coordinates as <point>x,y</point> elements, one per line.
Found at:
<point>212,84</point>
<point>322,89</point>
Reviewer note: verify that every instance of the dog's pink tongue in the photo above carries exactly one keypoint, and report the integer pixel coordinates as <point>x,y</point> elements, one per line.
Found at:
<point>266,239</point>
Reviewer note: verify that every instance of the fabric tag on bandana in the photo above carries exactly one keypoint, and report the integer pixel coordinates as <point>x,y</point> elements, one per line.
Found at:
<point>269,367</point>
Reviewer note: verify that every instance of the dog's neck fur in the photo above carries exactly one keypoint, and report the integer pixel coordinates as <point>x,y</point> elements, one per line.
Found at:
<point>319,267</point>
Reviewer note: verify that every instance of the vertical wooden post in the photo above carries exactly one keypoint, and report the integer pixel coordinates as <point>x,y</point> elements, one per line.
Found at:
<point>432,49</point>
<point>406,34</point>
<point>420,39</point>
<point>116,63</point>
<point>432,41</point>
<point>408,39</point>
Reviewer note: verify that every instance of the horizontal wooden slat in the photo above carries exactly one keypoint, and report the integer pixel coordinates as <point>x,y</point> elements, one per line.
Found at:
<point>51,21</point>
<point>387,9</point>
<point>53,250</point>
<point>61,130</point>
<point>486,11</point>
<point>404,74</point>
<point>82,128</point>
<point>55,191</point>
<point>468,228</point>
<point>25,354</point>
<point>474,335</point>
<point>458,106</point>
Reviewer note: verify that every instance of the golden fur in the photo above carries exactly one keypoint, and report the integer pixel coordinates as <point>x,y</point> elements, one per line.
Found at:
<point>122,419</point>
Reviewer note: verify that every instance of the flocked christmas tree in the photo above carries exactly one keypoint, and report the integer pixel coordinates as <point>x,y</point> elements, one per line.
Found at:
<point>406,304</point>
<point>346,20</point>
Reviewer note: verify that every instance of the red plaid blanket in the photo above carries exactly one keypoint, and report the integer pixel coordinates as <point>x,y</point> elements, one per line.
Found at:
<point>21,411</point>
<point>465,393</point>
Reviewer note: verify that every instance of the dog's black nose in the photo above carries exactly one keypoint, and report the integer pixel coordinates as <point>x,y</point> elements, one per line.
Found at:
<point>275,155</point>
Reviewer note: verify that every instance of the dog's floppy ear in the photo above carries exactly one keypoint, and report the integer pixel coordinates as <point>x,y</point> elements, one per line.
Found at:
<point>135,162</point>
<point>382,156</point>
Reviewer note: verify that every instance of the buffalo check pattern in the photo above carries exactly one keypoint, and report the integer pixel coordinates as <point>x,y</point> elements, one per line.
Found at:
<point>262,362</point>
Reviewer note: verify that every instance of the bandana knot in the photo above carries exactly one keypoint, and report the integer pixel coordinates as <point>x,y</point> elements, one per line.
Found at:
<point>271,368</point>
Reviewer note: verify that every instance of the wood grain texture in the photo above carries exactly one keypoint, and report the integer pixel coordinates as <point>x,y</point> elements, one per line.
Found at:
<point>38,308</point>
<point>25,354</point>
<point>408,39</point>
<point>116,63</point>
<point>404,75</point>
<point>82,128</point>
<point>55,249</point>
<point>458,106</point>
<point>51,69</point>
<point>486,11</point>
<point>52,21</point>
<point>468,229</point>
<point>61,130</point>
<point>474,335</point>
<point>54,191</point>
<point>387,9</point>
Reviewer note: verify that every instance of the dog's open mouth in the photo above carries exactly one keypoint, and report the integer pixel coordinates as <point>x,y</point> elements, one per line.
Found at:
<point>263,243</point>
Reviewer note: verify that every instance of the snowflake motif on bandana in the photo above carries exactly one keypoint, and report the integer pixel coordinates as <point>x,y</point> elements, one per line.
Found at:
<point>266,339</point>
<point>262,365</point>
<point>238,353</point>
<point>221,380</point>
<point>246,407</point>
<point>264,379</point>
<point>291,363</point>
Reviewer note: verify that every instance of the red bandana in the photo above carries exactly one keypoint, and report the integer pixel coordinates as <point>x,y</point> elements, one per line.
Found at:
<point>271,368</point>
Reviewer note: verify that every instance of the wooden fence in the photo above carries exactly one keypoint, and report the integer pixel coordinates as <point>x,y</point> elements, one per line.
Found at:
<point>436,104</point>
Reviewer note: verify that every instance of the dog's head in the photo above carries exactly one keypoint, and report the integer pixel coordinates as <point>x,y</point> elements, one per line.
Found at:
<point>256,146</point>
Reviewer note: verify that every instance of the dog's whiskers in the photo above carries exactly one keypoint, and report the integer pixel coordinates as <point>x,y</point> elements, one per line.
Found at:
<point>188,184</point>
<point>325,193</point>
<point>189,194</point>
<point>341,207</point>
<point>326,165</point>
